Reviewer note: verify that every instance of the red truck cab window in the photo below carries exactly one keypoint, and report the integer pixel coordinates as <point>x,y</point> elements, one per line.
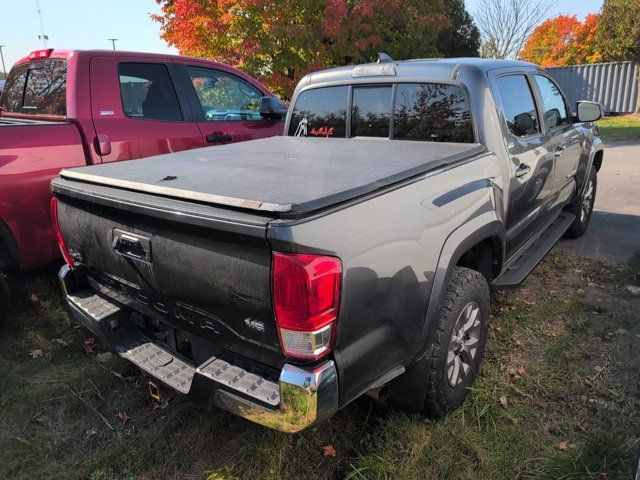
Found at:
<point>38,87</point>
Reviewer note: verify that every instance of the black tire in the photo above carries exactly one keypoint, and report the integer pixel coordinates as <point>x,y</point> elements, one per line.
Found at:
<point>582,207</point>
<point>4,298</point>
<point>467,289</point>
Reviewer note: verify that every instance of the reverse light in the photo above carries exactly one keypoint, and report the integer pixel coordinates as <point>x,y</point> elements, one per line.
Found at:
<point>37,54</point>
<point>56,226</point>
<point>306,296</point>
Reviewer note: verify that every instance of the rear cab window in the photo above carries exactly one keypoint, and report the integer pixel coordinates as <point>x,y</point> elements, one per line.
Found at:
<point>38,88</point>
<point>148,93</point>
<point>432,112</point>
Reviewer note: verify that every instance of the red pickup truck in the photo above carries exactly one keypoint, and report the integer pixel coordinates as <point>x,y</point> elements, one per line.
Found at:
<point>62,109</point>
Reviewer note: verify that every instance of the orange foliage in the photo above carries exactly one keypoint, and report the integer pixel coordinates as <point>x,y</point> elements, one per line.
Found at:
<point>563,40</point>
<point>281,40</point>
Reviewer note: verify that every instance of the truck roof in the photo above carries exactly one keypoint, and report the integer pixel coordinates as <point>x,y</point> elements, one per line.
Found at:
<point>423,67</point>
<point>67,53</point>
<point>289,176</point>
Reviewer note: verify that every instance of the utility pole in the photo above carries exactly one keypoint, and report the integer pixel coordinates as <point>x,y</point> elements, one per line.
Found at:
<point>113,42</point>
<point>42,35</point>
<point>4,70</point>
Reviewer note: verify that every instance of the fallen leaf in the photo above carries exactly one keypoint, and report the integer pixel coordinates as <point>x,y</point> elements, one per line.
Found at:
<point>503,402</point>
<point>328,451</point>
<point>43,420</point>
<point>59,341</point>
<point>621,331</point>
<point>124,417</point>
<point>580,291</point>
<point>563,445</point>
<point>521,371</point>
<point>583,426</point>
<point>93,432</point>
<point>36,353</point>
<point>89,345</point>
<point>34,298</point>
<point>104,357</point>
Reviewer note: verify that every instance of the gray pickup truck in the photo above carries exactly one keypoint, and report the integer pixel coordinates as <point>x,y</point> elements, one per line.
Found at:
<point>280,279</point>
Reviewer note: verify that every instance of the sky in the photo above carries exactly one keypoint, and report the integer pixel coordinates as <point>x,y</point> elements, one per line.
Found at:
<point>79,24</point>
<point>88,24</point>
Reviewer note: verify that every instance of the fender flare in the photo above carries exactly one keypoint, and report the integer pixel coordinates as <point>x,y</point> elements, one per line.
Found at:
<point>478,229</point>
<point>596,146</point>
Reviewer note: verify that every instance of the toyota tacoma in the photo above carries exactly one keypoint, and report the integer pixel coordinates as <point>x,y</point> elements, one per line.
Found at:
<point>282,278</point>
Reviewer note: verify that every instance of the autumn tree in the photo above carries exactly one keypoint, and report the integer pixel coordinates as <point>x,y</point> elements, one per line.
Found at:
<point>563,40</point>
<point>460,37</point>
<point>281,40</point>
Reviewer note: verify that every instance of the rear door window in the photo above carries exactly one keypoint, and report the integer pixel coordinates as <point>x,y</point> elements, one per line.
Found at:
<point>321,112</point>
<point>39,87</point>
<point>433,112</point>
<point>371,111</point>
<point>147,92</point>
<point>518,105</point>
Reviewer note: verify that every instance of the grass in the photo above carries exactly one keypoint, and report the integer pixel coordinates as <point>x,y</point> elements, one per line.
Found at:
<point>614,129</point>
<point>572,413</point>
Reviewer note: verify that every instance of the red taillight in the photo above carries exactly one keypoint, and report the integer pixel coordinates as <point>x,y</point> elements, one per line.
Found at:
<point>306,296</point>
<point>56,226</point>
<point>36,54</point>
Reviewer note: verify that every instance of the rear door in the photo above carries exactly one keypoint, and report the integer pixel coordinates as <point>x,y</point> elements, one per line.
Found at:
<point>137,110</point>
<point>226,106</point>
<point>562,138</point>
<point>531,186</point>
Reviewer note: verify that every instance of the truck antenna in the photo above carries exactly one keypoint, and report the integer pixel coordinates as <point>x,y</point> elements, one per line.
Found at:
<point>384,58</point>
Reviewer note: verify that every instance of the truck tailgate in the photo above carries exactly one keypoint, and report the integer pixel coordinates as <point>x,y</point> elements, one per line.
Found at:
<point>198,268</point>
<point>289,176</point>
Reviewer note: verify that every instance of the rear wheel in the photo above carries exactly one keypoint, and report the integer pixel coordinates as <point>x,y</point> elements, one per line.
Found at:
<point>459,340</point>
<point>582,207</point>
<point>4,298</point>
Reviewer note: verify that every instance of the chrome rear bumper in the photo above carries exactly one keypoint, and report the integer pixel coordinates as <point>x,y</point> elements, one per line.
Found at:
<point>299,399</point>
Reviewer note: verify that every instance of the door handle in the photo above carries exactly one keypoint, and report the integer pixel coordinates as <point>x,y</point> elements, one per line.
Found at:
<point>218,137</point>
<point>102,144</point>
<point>523,169</point>
<point>558,151</point>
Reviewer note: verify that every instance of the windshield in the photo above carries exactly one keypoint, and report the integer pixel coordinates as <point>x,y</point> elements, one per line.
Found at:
<point>435,112</point>
<point>38,87</point>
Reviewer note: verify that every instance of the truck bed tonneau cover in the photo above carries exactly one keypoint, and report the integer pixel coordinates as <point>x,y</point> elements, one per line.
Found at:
<point>288,175</point>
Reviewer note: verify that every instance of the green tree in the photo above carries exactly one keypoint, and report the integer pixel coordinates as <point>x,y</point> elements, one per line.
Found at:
<point>461,37</point>
<point>619,30</point>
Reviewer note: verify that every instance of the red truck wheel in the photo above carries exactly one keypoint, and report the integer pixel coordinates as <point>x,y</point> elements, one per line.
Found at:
<point>4,298</point>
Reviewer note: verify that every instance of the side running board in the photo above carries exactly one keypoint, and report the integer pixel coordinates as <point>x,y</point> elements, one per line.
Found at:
<point>526,261</point>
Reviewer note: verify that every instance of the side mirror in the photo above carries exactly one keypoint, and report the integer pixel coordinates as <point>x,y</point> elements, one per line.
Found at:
<point>272,108</point>
<point>523,124</point>
<point>589,111</point>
